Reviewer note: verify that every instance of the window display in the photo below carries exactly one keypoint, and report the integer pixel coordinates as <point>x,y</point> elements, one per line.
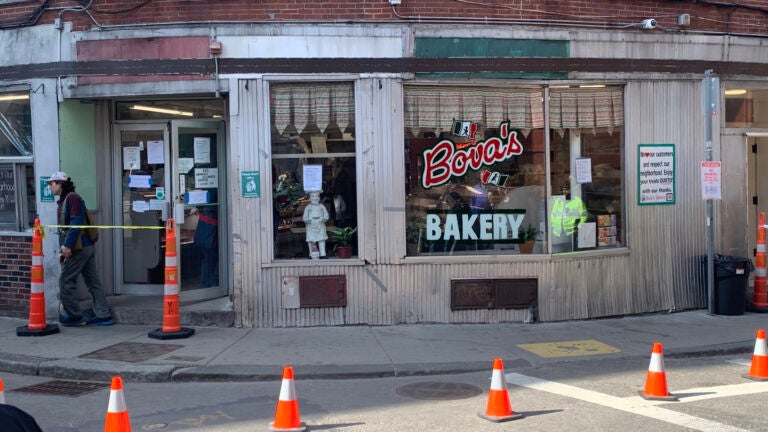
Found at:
<point>476,169</point>
<point>17,195</point>
<point>313,150</point>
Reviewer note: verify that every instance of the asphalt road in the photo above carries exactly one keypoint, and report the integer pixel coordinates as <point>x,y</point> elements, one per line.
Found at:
<point>583,395</point>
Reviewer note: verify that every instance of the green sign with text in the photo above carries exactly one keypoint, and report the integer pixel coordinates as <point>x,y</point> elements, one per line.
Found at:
<point>250,184</point>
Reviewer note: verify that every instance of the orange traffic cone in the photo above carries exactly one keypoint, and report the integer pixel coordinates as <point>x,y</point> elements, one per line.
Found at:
<point>171,328</point>
<point>37,325</point>
<point>117,413</point>
<point>287,417</point>
<point>760,293</point>
<point>758,371</point>
<point>656,380</point>
<point>499,408</point>
<point>2,395</point>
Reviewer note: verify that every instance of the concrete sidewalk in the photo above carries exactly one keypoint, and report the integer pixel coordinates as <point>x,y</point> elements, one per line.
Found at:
<point>232,354</point>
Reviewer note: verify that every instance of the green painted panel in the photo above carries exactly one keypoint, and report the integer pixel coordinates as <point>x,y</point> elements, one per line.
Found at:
<point>470,47</point>
<point>77,148</point>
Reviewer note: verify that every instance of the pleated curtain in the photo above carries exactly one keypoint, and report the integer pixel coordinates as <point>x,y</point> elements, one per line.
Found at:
<point>300,105</point>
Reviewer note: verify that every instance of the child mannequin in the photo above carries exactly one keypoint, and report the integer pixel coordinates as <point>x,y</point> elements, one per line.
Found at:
<point>315,216</point>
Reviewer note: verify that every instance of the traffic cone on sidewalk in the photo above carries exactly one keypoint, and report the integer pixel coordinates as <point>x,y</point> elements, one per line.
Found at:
<point>2,394</point>
<point>117,413</point>
<point>656,380</point>
<point>37,324</point>
<point>499,408</point>
<point>758,370</point>
<point>759,301</point>
<point>171,328</point>
<point>287,417</point>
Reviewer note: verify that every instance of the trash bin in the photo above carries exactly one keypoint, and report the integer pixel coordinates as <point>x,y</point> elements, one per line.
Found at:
<point>731,280</point>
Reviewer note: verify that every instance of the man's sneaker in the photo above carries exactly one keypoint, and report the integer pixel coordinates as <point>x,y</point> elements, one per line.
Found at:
<point>101,321</point>
<point>71,320</point>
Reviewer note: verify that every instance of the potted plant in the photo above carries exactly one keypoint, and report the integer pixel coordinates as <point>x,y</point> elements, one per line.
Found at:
<point>342,237</point>
<point>528,236</point>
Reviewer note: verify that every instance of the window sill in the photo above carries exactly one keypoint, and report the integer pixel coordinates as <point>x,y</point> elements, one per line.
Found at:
<point>16,233</point>
<point>314,263</point>
<point>480,259</point>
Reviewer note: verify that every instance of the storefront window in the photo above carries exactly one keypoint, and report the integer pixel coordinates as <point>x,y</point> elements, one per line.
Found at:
<point>586,168</point>
<point>476,173</point>
<point>746,108</point>
<point>313,149</point>
<point>17,179</point>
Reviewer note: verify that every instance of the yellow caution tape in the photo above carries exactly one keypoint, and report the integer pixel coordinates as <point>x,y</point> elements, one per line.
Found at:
<point>103,226</point>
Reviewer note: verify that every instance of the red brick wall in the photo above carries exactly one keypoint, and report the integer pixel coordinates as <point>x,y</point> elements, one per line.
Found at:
<point>15,274</point>
<point>705,15</point>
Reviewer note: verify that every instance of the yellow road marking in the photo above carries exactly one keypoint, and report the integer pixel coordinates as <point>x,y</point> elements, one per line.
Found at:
<point>569,348</point>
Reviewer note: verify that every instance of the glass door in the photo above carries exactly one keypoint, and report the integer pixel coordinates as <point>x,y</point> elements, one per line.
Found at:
<point>199,185</point>
<point>171,170</point>
<point>144,206</point>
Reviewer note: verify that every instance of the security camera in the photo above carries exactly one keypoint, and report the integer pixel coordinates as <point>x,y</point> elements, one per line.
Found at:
<point>648,24</point>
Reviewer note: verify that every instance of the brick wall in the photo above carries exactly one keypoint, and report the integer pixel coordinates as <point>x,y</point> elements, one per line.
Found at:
<point>748,16</point>
<point>15,274</point>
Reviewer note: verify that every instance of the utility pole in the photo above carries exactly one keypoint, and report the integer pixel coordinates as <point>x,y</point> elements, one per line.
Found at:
<point>710,92</point>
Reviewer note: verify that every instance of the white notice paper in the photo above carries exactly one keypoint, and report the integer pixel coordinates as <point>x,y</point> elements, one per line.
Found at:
<point>155,152</point>
<point>140,206</point>
<point>711,180</point>
<point>197,197</point>
<point>206,178</point>
<point>587,235</point>
<point>202,150</point>
<point>583,170</point>
<point>186,164</point>
<point>139,181</point>
<point>313,177</point>
<point>131,158</point>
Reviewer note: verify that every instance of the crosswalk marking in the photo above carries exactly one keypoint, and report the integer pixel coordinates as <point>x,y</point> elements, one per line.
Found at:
<point>639,407</point>
<point>704,393</point>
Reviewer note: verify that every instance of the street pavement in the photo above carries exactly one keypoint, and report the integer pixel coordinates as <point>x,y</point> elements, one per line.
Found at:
<point>238,354</point>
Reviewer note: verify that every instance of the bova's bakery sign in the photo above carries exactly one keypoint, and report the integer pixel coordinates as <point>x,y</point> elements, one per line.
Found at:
<point>447,159</point>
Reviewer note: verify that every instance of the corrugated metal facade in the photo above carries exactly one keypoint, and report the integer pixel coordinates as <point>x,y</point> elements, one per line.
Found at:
<point>660,270</point>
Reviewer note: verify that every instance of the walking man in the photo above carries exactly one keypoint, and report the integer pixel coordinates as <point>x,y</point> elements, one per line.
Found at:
<point>76,257</point>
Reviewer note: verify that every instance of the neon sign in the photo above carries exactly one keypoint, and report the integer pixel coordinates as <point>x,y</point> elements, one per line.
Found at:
<point>448,159</point>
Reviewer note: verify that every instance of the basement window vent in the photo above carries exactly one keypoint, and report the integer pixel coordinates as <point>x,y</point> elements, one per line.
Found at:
<point>323,291</point>
<point>494,293</point>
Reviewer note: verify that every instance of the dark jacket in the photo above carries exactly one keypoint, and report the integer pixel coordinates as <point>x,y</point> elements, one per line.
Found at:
<point>14,419</point>
<point>72,211</point>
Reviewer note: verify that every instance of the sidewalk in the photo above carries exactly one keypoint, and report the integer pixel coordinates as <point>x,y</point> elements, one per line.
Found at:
<point>232,354</point>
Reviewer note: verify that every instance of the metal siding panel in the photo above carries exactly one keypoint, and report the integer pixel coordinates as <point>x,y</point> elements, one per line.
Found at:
<point>666,241</point>
<point>245,212</point>
<point>390,170</point>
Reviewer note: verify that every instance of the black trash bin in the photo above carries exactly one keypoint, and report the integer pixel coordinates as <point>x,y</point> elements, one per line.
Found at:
<point>731,281</point>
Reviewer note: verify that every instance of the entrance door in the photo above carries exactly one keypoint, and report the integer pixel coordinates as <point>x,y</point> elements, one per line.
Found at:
<point>172,170</point>
<point>757,184</point>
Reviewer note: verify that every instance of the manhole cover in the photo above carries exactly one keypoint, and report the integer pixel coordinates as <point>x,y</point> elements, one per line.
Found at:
<point>432,390</point>
<point>132,352</point>
<point>63,388</point>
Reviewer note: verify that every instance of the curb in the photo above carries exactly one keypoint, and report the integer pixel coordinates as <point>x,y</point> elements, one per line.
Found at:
<point>100,370</point>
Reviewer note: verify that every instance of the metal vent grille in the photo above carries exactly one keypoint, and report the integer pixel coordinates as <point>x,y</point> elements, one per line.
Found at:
<point>494,293</point>
<point>131,352</point>
<point>63,388</point>
<point>323,291</point>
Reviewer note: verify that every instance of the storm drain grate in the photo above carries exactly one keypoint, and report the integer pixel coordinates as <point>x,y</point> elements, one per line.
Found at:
<point>63,388</point>
<point>131,352</point>
<point>433,390</point>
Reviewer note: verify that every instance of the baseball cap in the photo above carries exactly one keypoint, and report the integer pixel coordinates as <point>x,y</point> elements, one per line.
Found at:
<point>58,176</point>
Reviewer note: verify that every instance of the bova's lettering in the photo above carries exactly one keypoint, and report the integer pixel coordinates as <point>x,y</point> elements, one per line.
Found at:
<point>445,160</point>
